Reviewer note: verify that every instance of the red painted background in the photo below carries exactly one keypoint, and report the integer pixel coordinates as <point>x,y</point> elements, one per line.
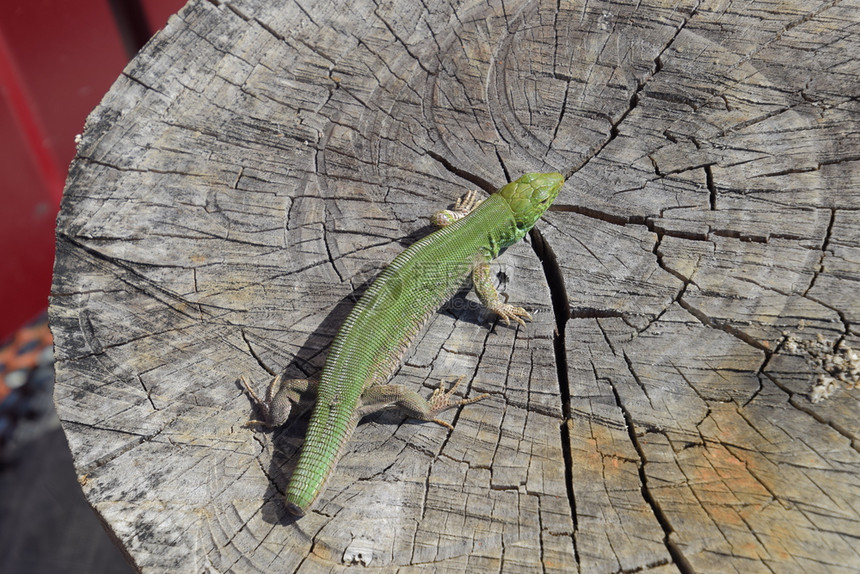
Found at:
<point>57,60</point>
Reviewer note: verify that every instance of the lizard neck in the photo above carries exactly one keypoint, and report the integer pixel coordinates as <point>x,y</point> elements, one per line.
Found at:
<point>495,218</point>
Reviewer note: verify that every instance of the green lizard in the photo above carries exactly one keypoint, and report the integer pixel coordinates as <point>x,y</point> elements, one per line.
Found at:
<point>372,340</point>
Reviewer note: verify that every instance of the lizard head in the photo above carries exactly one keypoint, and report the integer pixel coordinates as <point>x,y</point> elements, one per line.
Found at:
<point>529,196</point>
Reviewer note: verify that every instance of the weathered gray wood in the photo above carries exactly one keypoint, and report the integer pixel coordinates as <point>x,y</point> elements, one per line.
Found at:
<point>256,165</point>
<point>729,222</point>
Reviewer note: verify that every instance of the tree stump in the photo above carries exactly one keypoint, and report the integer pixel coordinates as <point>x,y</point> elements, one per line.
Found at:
<point>684,400</point>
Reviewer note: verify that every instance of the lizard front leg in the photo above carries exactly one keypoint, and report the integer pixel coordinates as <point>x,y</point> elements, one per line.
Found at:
<point>463,207</point>
<point>415,406</point>
<point>490,297</point>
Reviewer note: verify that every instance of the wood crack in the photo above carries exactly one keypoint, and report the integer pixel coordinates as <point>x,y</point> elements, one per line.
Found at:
<point>672,547</point>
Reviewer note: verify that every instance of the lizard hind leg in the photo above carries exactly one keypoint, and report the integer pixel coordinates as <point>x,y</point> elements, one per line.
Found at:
<point>440,400</point>
<point>412,404</point>
<point>260,404</point>
<point>280,396</point>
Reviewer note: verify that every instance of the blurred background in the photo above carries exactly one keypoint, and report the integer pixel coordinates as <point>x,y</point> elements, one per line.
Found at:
<point>57,59</point>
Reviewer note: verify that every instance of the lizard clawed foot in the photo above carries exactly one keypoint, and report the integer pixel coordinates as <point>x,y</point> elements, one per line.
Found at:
<point>440,400</point>
<point>462,207</point>
<point>277,405</point>
<point>254,423</point>
<point>468,202</point>
<point>262,405</point>
<point>508,312</point>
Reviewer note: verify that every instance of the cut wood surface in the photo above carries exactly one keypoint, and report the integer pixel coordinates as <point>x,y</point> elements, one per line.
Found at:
<point>685,398</point>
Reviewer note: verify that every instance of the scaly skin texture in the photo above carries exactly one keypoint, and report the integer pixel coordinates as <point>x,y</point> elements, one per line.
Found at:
<point>372,340</point>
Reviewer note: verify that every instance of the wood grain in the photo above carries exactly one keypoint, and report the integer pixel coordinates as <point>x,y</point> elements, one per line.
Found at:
<point>256,165</point>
